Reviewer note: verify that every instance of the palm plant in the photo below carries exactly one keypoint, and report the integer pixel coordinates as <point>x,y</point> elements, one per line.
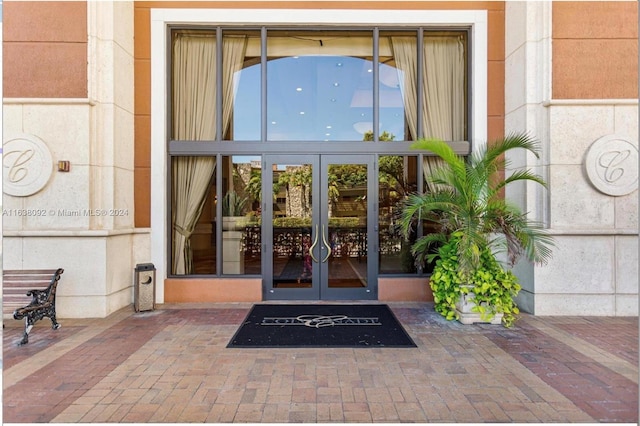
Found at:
<point>473,217</point>
<point>468,199</point>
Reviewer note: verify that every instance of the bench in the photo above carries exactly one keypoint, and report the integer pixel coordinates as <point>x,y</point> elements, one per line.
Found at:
<point>30,294</point>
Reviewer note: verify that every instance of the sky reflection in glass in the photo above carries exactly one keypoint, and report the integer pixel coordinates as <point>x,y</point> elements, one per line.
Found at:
<point>317,98</point>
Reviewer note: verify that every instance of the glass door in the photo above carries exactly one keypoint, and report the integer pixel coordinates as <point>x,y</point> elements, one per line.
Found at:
<point>321,213</point>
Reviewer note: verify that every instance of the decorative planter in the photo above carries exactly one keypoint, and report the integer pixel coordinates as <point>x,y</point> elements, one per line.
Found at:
<point>464,309</point>
<point>233,254</point>
<point>233,223</point>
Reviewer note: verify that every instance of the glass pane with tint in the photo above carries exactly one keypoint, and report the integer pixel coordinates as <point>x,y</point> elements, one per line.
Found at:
<point>292,233</point>
<point>241,215</point>
<point>347,228</point>
<point>398,178</point>
<point>319,85</point>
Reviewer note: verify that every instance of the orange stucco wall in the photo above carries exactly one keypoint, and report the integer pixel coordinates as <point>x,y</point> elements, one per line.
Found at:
<point>595,50</point>
<point>44,49</point>
<point>142,53</point>
<point>194,290</point>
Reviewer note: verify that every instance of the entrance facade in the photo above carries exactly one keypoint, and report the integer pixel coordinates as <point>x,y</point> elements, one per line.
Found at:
<point>319,239</point>
<point>301,137</point>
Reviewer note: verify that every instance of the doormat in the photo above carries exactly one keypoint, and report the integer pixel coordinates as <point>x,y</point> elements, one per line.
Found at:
<point>320,326</point>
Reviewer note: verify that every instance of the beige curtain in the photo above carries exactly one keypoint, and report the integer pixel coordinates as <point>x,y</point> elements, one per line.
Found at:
<point>194,118</point>
<point>443,94</point>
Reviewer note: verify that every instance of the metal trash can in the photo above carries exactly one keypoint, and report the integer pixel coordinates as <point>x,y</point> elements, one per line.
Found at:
<point>144,287</point>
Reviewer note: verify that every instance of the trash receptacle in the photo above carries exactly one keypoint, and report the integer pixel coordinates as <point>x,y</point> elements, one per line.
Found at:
<point>144,287</point>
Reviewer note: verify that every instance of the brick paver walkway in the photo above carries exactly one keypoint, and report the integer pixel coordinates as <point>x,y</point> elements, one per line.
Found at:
<point>172,365</point>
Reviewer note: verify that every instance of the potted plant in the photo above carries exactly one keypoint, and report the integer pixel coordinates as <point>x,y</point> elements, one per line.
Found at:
<point>232,211</point>
<point>233,223</point>
<point>474,223</point>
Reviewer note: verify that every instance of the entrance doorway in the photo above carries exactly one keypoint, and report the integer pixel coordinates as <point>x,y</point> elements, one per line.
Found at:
<point>318,224</point>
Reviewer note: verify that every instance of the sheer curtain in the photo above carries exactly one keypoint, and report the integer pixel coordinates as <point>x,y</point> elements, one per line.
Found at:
<point>194,118</point>
<point>443,104</point>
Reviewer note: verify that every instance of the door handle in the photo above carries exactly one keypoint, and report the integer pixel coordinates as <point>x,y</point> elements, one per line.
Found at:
<point>315,242</point>
<point>326,245</point>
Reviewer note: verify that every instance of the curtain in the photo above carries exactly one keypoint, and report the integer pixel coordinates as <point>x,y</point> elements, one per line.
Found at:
<point>443,106</point>
<point>194,118</point>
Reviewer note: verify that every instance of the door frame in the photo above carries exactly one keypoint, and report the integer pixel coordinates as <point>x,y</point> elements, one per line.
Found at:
<point>320,289</point>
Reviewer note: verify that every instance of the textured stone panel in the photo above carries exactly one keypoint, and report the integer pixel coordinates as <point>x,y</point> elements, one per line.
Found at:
<point>575,305</point>
<point>627,264</point>
<point>580,265</point>
<point>575,204</point>
<point>574,128</point>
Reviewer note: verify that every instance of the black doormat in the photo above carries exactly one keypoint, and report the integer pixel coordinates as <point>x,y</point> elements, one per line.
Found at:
<point>320,326</point>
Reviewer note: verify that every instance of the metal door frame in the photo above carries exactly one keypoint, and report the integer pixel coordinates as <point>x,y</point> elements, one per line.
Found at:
<point>320,209</point>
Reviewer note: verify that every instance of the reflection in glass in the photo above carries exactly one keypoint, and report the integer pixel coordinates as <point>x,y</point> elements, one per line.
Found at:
<point>319,86</point>
<point>346,236</point>
<point>292,231</point>
<point>241,222</point>
<point>398,178</point>
<point>392,91</point>
<point>245,90</point>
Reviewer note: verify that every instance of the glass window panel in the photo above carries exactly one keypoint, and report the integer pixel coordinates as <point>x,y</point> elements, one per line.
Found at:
<point>241,219</point>
<point>193,85</point>
<point>243,49</point>
<point>396,89</point>
<point>398,178</point>
<point>193,242</point>
<point>319,85</point>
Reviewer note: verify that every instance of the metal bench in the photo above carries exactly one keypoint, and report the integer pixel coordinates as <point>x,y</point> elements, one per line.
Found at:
<point>30,294</point>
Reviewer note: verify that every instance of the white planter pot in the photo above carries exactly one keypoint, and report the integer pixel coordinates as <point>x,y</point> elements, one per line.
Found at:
<point>464,308</point>
<point>233,223</point>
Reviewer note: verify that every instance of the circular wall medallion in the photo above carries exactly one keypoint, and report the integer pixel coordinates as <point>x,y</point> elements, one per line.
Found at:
<point>612,165</point>
<point>26,165</point>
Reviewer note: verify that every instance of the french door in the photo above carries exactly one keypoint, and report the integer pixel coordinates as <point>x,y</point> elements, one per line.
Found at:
<point>318,219</point>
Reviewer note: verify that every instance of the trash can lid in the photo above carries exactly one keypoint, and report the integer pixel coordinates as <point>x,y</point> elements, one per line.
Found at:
<point>145,267</point>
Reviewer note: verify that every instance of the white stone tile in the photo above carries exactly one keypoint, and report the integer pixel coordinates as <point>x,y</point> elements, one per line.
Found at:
<point>123,143</point>
<point>580,264</point>
<point>626,121</point>
<point>626,262</point>
<point>64,128</point>
<point>575,304</point>
<point>575,203</point>
<point>81,257</point>
<point>12,212</point>
<point>124,199</point>
<point>627,305</point>
<point>80,306</point>
<point>141,247</point>
<point>123,24</point>
<point>515,31</point>
<point>12,249</point>
<point>516,80</point>
<point>627,211</point>
<point>11,120</point>
<point>574,128</point>
<point>123,79</point>
<point>65,200</point>
<point>120,271</point>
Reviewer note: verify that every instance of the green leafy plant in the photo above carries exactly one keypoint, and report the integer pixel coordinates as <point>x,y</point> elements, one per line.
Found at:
<point>493,287</point>
<point>475,221</point>
<point>233,204</point>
